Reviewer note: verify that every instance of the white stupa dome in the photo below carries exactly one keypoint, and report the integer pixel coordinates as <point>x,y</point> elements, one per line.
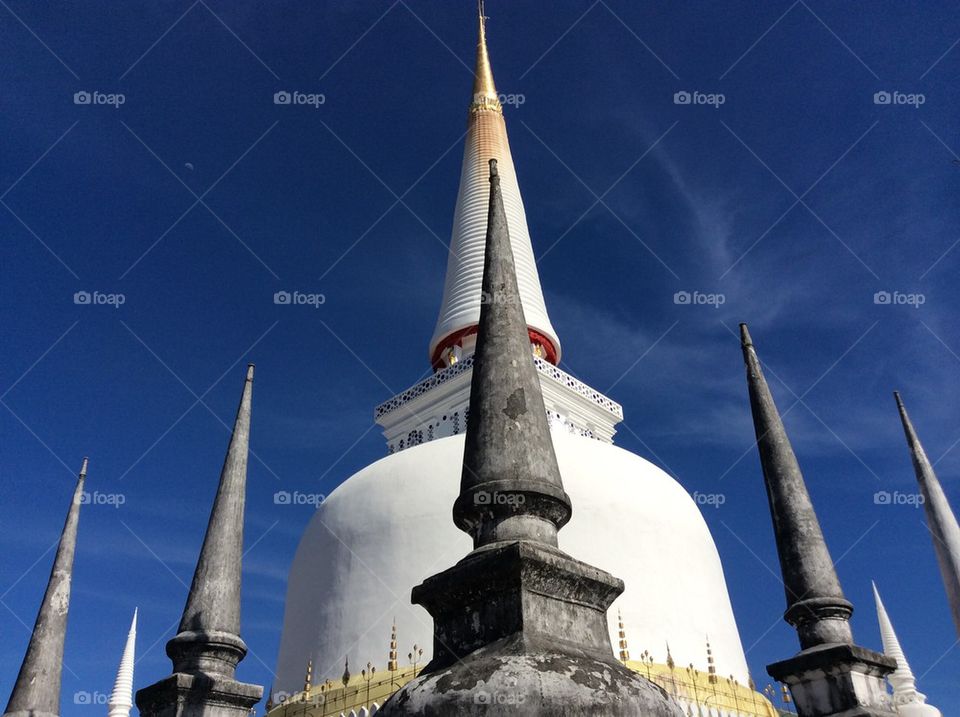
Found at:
<point>390,525</point>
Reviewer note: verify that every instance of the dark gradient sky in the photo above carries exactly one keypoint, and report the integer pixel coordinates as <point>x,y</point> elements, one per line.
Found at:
<point>797,200</point>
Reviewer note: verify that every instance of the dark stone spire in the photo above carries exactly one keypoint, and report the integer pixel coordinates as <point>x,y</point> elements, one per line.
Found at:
<point>940,517</point>
<point>520,627</point>
<point>510,488</point>
<point>816,606</point>
<point>830,676</point>
<point>207,648</point>
<point>211,617</point>
<point>36,692</point>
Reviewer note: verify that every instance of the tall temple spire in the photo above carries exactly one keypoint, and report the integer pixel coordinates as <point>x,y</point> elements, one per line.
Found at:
<point>213,605</point>
<point>207,648</point>
<point>486,139</point>
<point>36,693</point>
<point>940,517</point>
<point>909,701</point>
<point>121,699</point>
<point>517,610</point>
<point>816,606</point>
<point>830,676</point>
<point>508,449</point>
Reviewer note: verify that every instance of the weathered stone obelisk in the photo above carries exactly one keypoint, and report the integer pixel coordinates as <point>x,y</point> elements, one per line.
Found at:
<point>36,692</point>
<point>940,517</point>
<point>520,627</point>
<point>830,676</point>
<point>207,648</point>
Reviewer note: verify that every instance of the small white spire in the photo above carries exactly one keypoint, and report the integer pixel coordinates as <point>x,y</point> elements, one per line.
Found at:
<point>121,700</point>
<point>906,697</point>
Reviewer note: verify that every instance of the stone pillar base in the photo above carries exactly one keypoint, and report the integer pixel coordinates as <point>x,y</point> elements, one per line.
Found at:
<point>837,681</point>
<point>521,629</point>
<point>183,695</point>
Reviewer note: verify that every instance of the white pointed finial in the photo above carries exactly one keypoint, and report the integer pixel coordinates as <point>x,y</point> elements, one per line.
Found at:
<point>121,700</point>
<point>909,701</point>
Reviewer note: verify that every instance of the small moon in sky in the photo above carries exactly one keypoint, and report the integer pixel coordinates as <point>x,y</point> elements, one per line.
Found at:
<point>189,166</point>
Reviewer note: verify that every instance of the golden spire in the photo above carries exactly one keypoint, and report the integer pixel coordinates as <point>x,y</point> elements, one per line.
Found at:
<point>392,655</point>
<point>308,678</point>
<point>711,667</point>
<point>624,653</point>
<point>484,91</point>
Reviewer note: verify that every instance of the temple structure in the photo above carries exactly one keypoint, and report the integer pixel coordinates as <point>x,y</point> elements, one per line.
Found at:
<point>393,517</point>
<point>505,557</point>
<point>520,627</point>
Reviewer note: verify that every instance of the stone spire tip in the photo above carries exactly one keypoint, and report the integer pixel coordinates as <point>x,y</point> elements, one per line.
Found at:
<point>83,468</point>
<point>250,367</point>
<point>493,169</point>
<point>899,399</point>
<point>745,339</point>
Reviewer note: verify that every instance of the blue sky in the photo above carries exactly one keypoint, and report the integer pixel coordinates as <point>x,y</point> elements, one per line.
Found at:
<point>796,200</point>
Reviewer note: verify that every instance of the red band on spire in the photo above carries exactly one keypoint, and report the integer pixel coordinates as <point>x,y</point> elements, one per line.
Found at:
<point>456,337</point>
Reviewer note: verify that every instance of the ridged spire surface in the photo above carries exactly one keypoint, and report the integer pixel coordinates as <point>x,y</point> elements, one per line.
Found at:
<point>210,625</point>
<point>901,679</point>
<point>510,488</point>
<point>940,516</point>
<point>36,692</point>
<point>121,699</point>
<point>486,139</point>
<point>816,606</point>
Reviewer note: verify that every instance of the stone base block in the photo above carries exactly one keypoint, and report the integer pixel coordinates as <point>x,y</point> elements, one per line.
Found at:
<point>521,629</point>
<point>837,681</point>
<point>183,695</point>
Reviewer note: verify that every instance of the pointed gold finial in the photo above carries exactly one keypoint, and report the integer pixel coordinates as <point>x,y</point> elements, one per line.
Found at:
<point>308,679</point>
<point>484,90</point>
<point>624,651</point>
<point>711,667</point>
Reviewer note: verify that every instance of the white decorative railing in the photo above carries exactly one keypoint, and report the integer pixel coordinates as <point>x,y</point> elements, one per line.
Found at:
<point>591,394</point>
<point>421,388</point>
<point>544,367</point>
